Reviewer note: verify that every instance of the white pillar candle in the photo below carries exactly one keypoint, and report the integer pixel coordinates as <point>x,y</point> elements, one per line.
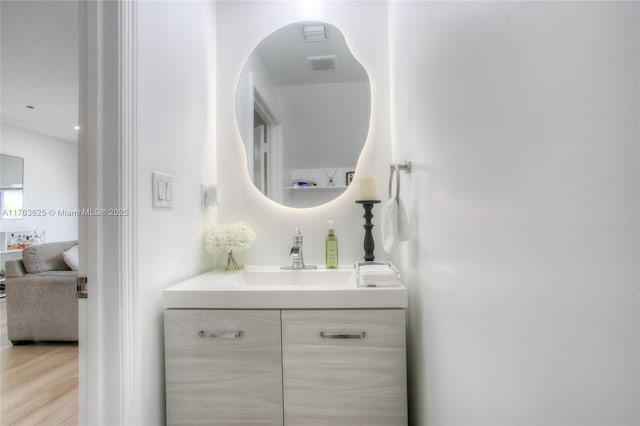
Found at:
<point>368,190</point>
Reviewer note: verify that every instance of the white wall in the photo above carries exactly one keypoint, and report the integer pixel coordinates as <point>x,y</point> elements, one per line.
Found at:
<point>177,121</point>
<point>324,125</point>
<point>50,181</point>
<point>242,25</point>
<point>522,122</point>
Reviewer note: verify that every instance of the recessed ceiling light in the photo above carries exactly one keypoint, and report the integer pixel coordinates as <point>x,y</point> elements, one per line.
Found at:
<point>31,107</point>
<point>76,127</point>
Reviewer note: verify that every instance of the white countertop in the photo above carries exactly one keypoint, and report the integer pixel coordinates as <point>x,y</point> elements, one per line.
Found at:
<point>258,287</point>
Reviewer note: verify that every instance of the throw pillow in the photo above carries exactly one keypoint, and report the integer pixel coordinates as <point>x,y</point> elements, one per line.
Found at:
<point>72,258</point>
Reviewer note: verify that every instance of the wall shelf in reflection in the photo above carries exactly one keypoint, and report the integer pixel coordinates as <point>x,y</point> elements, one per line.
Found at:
<point>317,188</point>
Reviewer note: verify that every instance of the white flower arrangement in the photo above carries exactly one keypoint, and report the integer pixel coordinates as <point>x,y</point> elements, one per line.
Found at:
<point>223,237</point>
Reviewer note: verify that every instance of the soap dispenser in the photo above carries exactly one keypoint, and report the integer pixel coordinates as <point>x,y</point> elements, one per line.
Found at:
<point>331,248</point>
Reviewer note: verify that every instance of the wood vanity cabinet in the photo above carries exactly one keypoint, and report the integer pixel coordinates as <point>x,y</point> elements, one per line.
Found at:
<point>291,367</point>
<point>344,367</point>
<point>223,367</point>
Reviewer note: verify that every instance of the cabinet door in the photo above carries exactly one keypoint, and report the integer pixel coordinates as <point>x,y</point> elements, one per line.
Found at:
<point>344,367</point>
<point>223,367</point>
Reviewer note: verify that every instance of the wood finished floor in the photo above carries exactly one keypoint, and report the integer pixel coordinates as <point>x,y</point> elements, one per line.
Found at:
<point>38,382</point>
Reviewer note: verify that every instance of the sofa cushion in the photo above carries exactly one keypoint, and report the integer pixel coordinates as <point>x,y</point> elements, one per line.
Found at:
<point>46,257</point>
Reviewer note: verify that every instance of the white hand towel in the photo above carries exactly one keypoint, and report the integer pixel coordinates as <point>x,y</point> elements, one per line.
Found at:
<point>389,225</point>
<point>404,222</point>
<point>377,276</point>
<point>377,273</point>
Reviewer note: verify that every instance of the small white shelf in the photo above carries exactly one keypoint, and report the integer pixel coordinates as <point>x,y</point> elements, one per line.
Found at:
<point>318,188</point>
<point>11,251</point>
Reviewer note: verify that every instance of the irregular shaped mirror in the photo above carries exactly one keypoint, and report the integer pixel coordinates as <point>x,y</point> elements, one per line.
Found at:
<point>303,104</point>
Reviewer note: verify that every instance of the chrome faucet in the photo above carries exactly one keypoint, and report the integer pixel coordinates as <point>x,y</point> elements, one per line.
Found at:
<point>295,254</point>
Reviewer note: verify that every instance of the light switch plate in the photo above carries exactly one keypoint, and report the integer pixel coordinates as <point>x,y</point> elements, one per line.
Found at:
<point>162,190</point>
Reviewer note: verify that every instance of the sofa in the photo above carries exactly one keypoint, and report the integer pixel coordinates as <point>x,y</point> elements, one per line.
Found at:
<point>41,295</point>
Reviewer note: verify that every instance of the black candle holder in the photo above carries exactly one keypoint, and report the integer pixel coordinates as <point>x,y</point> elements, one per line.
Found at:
<point>369,244</point>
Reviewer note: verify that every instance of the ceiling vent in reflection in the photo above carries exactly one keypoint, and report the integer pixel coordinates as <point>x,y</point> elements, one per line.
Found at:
<point>322,63</point>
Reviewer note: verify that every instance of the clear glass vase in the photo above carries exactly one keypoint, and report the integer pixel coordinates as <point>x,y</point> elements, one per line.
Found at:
<point>233,263</point>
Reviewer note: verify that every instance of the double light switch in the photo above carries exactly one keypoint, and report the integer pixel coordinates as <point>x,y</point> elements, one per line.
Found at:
<point>162,190</point>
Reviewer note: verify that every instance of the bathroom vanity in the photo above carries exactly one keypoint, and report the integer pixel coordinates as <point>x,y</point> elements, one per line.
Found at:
<point>269,347</point>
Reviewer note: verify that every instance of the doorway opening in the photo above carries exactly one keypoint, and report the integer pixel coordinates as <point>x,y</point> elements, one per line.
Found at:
<point>39,324</point>
<point>266,148</point>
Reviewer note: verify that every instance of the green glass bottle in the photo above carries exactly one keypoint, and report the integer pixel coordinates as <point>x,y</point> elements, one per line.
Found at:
<point>331,248</point>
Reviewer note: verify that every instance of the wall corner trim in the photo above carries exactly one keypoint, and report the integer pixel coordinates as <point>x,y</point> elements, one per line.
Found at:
<point>129,323</point>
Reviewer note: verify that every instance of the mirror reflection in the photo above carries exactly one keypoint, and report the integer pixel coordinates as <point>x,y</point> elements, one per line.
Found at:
<point>11,184</point>
<point>303,104</point>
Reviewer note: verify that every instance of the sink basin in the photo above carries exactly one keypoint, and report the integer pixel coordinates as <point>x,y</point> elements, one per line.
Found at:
<point>274,277</point>
<point>269,287</point>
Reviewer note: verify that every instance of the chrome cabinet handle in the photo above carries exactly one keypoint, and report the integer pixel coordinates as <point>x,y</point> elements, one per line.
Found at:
<point>230,335</point>
<point>360,335</point>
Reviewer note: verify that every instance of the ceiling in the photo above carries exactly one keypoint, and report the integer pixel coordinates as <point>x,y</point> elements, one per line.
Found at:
<point>284,54</point>
<point>39,56</point>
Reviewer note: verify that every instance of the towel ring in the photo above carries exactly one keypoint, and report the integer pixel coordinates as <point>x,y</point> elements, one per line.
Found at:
<point>394,171</point>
